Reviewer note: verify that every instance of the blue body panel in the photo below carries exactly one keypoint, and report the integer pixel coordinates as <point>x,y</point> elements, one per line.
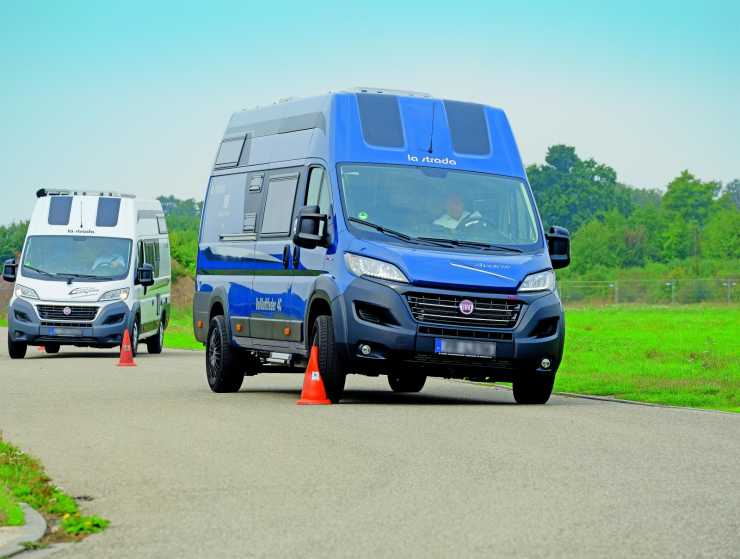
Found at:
<point>269,305</point>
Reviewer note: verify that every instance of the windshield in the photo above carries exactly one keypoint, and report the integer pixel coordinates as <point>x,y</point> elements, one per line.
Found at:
<point>84,258</point>
<point>454,207</point>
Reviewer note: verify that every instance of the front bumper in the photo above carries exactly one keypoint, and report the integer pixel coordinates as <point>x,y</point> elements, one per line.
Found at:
<point>25,325</point>
<point>398,342</point>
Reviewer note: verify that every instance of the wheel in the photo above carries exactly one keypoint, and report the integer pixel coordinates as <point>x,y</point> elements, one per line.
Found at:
<point>156,342</point>
<point>533,388</point>
<point>330,365</point>
<point>51,348</point>
<point>135,337</point>
<point>409,382</point>
<point>222,368</point>
<point>16,350</point>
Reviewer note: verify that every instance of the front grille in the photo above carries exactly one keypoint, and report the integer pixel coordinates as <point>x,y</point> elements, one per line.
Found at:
<point>460,333</point>
<point>76,313</point>
<point>445,309</point>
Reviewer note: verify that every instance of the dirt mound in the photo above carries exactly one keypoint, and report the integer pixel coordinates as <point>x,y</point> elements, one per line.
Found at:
<point>182,292</point>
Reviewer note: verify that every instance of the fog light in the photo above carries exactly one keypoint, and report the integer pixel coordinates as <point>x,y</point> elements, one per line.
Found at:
<point>545,363</point>
<point>365,349</point>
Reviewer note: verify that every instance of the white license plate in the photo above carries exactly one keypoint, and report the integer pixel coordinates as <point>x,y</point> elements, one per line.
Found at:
<point>464,348</point>
<point>65,332</point>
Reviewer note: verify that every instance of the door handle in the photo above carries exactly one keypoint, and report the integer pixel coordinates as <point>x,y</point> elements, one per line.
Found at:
<point>286,256</point>
<point>296,257</point>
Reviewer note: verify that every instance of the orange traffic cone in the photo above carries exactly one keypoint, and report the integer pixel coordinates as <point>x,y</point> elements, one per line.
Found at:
<point>127,356</point>
<point>313,392</point>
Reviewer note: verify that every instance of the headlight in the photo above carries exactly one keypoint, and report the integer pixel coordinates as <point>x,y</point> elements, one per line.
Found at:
<point>541,281</point>
<point>25,292</point>
<point>364,266</point>
<point>114,295</point>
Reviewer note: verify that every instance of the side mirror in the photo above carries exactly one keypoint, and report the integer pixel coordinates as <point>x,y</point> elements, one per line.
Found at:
<point>558,245</point>
<point>145,275</point>
<point>9,270</point>
<point>309,233</point>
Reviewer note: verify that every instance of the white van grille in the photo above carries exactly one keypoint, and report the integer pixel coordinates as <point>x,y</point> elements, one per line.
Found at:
<point>74,312</point>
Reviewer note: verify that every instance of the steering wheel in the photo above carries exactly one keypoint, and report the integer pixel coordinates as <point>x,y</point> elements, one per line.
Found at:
<point>472,223</point>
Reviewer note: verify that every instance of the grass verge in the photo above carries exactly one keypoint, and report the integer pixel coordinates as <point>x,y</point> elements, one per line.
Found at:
<point>682,356</point>
<point>179,334</point>
<point>23,479</point>
<point>11,513</point>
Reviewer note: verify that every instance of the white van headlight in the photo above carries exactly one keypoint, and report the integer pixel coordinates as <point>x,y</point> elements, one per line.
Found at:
<point>364,266</point>
<point>541,281</point>
<point>114,295</point>
<point>25,292</point>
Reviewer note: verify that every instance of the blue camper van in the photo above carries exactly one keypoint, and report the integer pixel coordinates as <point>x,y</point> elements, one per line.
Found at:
<point>395,231</point>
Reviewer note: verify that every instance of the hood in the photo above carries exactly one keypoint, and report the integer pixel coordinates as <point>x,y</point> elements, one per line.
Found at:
<point>451,269</point>
<point>77,292</point>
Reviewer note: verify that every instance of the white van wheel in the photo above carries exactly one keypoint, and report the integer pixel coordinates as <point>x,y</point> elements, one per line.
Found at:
<point>155,343</point>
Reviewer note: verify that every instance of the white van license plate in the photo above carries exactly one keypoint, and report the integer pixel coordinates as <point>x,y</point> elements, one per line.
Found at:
<point>464,348</point>
<point>65,332</point>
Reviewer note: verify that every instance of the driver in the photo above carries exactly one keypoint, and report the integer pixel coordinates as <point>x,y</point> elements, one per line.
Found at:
<point>115,262</point>
<point>456,213</point>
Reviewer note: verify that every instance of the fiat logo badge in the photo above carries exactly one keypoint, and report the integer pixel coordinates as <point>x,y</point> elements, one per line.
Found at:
<point>466,307</point>
<point>67,311</point>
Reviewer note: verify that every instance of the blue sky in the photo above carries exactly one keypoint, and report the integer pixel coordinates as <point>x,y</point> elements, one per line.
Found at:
<point>135,96</point>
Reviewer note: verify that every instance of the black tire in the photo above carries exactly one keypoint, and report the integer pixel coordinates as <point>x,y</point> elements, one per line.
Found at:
<point>16,350</point>
<point>52,348</point>
<point>409,382</point>
<point>330,365</point>
<point>134,336</point>
<point>533,387</point>
<point>155,343</point>
<point>222,366</point>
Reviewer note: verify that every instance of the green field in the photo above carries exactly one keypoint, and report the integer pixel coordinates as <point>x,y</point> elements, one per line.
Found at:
<point>683,356</point>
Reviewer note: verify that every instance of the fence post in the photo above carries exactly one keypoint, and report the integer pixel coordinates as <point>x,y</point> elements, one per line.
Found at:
<point>673,292</point>
<point>616,292</point>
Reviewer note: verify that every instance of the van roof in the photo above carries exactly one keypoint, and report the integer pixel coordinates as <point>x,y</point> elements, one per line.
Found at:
<point>73,213</point>
<point>377,126</point>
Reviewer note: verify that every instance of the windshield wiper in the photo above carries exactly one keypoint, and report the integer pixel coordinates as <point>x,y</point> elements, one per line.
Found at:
<point>386,230</point>
<point>84,276</point>
<point>471,244</point>
<point>40,271</point>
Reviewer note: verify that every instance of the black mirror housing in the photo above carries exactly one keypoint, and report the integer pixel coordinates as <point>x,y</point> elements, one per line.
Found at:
<point>9,270</point>
<point>558,245</point>
<point>145,275</point>
<point>309,233</point>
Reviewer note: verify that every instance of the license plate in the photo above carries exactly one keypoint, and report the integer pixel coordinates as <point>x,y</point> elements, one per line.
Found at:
<point>65,332</point>
<point>464,348</point>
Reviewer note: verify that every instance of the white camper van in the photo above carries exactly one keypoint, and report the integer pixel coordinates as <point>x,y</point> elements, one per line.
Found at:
<point>93,264</point>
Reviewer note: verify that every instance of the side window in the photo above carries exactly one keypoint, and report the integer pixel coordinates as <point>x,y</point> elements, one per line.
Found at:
<point>224,211</point>
<point>164,254</point>
<point>317,193</point>
<point>151,255</point>
<point>279,205</point>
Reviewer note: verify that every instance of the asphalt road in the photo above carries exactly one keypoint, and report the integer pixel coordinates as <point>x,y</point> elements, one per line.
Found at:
<point>455,471</point>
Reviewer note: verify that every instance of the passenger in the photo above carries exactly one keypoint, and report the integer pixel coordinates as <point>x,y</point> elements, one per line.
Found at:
<point>456,213</point>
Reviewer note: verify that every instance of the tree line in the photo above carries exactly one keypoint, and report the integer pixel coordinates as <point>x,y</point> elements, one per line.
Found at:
<point>691,229</point>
